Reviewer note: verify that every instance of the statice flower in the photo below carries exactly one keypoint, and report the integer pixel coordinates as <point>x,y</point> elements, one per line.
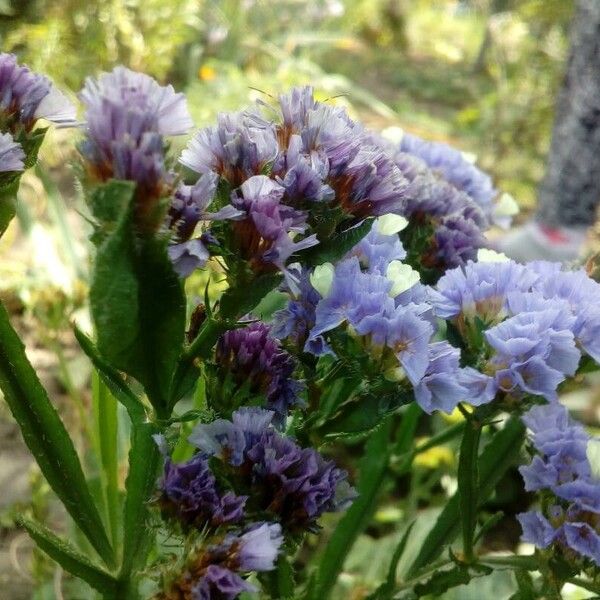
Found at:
<point>26,96</point>
<point>296,320</point>
<point>452,165</point>
<point>189,208</point>
<point>445,384</point>
<point>376,250</point>
<point>295,485</point>
<point>214,573</point>
<point>263,234</point>
<point>11,154</point>
<point>256,360</point>
<point>189,493</point>
<point>128,115</point>
<point>239,146</point>
<point>570,518</point>
<point>480,290</point>
<point>457,240</point>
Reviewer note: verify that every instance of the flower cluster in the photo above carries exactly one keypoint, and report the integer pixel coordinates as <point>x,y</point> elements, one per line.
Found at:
<point>371,295</point>
<point>570,486</point>
<point>294,485</point>
<point>254,359</point>
<point>529,325</point>
<point>214,571</point>
<point>127,117</point>
<point>26,96</point>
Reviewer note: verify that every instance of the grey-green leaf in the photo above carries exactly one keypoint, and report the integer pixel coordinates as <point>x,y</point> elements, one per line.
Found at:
<point>47,438</point>
<point>494,461</point>
<point>69,558</point>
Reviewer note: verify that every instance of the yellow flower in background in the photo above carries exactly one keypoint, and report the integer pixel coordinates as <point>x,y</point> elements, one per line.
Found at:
<point>434,457</point>
<point>206,73</point>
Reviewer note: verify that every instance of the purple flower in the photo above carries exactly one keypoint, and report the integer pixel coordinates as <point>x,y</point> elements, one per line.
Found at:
<point>457,240</point>
<point>536,529</point>
<point>371,184</point>
<point>239,146</point>
<point>440,388</point>
<point>11,154</point>
<point>583,539</point>
<point>190,494</point>
<point>531,354</point>
<point>406,333</point>
<point>26,96</point>
<point>452,166</point>
<point>561,467</point>
<point>264,236</point>
<point>256,360</point>
<point>303,175</point>
<point>258,547</point>
<point>480,289</point>
<point>376,251</point>
<point>188,256</point>
<point>127,116</point>
<point>295,484</point>
<point>219,583</point>
<point>296,320</point>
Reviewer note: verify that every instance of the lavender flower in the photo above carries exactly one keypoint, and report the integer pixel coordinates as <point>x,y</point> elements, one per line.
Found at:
<point>296,320</point>
<point>480,289</point>
<point>11,154</point>
<point>219,583</point>
<point>444,384</point>
<point>561,468</point>
<point>127,116</point>
<point>532,354</point>
<point>213,573</point>
<point>294,484</point>
<point>264,236</point>
<point>239,146</point>
<point>255,359</point>
<point>26,96</point>
<point>190,494</point>
<point>376,251</point>
<point>457,240</point>
<point>452,165</point>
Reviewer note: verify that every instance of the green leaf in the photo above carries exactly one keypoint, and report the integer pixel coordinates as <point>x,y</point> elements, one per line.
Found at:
<point>8,202</point>
<point>494,461</point>
<point>468,485</point>
<point>47,438</point>
<point>237,301</point>
<point>364,414</point>
<point>107,427</point>
<point>373,467</point>
<point>442,581</point>
<point>69,558</point>
<point>334,248</point>
<point>111,378</point>
<point>386,589</point>
<point>144,458</point>
<point>137,299</point>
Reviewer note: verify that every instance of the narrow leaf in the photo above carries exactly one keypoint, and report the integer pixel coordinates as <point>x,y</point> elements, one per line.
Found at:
<point>494,461</point>
<point>69,558</point>
<point>111,378</point>
<point>141,481</point>
<point>47,438</point>
<point>334,248</point>
<point>468,485</point>
<point>373,467</point>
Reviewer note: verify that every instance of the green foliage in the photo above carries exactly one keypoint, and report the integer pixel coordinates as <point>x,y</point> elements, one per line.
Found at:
<point>137,299</point>
<point>47,438</point>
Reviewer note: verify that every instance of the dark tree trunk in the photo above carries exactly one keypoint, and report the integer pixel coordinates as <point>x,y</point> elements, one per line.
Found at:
<point>570,191</point>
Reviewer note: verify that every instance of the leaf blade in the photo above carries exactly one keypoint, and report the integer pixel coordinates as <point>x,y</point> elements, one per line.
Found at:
<point>69,558</point>
<point>47,438</point>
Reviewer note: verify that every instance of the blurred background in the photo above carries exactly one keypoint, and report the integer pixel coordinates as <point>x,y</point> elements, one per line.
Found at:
<point>481,75</point>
